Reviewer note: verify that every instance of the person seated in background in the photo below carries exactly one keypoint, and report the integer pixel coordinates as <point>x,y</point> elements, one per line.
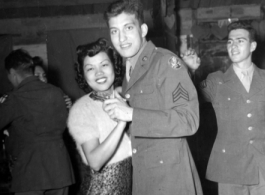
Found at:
<point>36,116</point>
<point>103,145</point>
<point>39,71</point>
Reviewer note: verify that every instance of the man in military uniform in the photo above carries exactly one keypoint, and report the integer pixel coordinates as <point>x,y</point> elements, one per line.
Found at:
<point>36,115</point>
<point>163,107</point>
<point>237,160</point>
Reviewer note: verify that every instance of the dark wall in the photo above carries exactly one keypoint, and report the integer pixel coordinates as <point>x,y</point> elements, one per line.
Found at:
<point>5,49</point>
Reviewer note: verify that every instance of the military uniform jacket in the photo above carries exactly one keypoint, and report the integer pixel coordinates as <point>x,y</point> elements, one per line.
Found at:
<point>239,149</point>
<point>37,116</point>
<point>165,111</point>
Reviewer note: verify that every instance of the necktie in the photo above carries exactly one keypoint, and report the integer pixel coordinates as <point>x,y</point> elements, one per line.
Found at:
<point>245,80</point>
<point>128,69</point>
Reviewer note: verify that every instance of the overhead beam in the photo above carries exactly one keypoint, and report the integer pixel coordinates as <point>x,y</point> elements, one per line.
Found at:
<point>43,3</point>
<point>34,30</point>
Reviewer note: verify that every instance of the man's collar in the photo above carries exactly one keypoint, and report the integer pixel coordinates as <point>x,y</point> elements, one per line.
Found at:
<point>134,59</point>
<point>27,80</point>
<point>230,72</point>
<point>250,69</point>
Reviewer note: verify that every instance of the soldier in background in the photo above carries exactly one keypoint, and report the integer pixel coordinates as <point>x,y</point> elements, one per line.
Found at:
<point>36,114</point>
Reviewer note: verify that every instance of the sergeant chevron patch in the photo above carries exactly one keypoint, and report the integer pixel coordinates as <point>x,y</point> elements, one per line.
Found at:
<point>180,92</point>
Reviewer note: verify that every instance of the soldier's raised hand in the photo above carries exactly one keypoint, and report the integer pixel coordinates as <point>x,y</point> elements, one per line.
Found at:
<point>191,59</point>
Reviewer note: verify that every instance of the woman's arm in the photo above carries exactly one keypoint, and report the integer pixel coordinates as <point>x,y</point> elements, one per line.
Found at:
<point>98,154</point>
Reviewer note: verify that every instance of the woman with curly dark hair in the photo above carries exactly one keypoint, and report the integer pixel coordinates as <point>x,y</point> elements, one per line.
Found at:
<point>102,142</point>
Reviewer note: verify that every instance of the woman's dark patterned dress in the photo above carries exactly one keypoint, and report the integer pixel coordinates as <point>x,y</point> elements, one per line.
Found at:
<point>114,179</point>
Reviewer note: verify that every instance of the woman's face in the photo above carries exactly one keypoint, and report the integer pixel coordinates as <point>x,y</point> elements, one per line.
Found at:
<point>40,73</point>
<point>99,72</point>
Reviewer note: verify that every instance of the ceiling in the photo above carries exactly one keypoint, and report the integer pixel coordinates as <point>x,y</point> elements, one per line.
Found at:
<point>52,8</point>
<point>215,3</point>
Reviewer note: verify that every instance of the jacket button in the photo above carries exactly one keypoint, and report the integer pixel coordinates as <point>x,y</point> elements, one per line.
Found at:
<point>251,141</point>
<point>144,58</point>
<point>161,162</point>
<point>250,128</point>
<point>134,150</point>
<point>127,96</point>
<point>249,115</point>
<point>223,150</point>
<point>248,101</point>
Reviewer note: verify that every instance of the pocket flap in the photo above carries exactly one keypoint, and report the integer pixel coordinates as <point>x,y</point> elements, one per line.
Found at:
<point>159,156</point>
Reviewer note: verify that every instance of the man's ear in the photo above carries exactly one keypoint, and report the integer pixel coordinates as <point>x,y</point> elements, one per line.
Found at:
<point>144,29</point>
<point>13,72</point>
<point>253,46</point>
<point>14,76</point>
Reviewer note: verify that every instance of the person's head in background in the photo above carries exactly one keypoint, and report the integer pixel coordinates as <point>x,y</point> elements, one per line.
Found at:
<point>99,67</point>
<point>241,43</point>
<point>127,28</point>
<point>39,69</point>
<point>19,66</point>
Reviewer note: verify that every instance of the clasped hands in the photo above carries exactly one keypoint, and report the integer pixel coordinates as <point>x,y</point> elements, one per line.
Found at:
<point>117,108</point>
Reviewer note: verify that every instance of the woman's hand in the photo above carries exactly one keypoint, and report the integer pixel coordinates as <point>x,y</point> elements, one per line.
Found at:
<point>68,101</point>
<point>3,98</point>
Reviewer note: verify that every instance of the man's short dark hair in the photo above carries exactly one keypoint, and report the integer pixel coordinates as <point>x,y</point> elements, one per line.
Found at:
<point>134,7</point>
<point>20,61</point>
<point>243,25</point>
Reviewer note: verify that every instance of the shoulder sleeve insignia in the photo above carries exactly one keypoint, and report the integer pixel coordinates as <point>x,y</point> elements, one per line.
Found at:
<point>174,62</point>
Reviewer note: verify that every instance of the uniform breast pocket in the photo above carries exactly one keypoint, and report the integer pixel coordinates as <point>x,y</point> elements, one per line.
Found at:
<point>228,108</point>
<point>233,147</point>
<point>159,156</point>
<point>144,96</point>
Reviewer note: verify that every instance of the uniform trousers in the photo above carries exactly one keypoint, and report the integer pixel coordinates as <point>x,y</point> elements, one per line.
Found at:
<point>234,189</point>
<point>60,191</point>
